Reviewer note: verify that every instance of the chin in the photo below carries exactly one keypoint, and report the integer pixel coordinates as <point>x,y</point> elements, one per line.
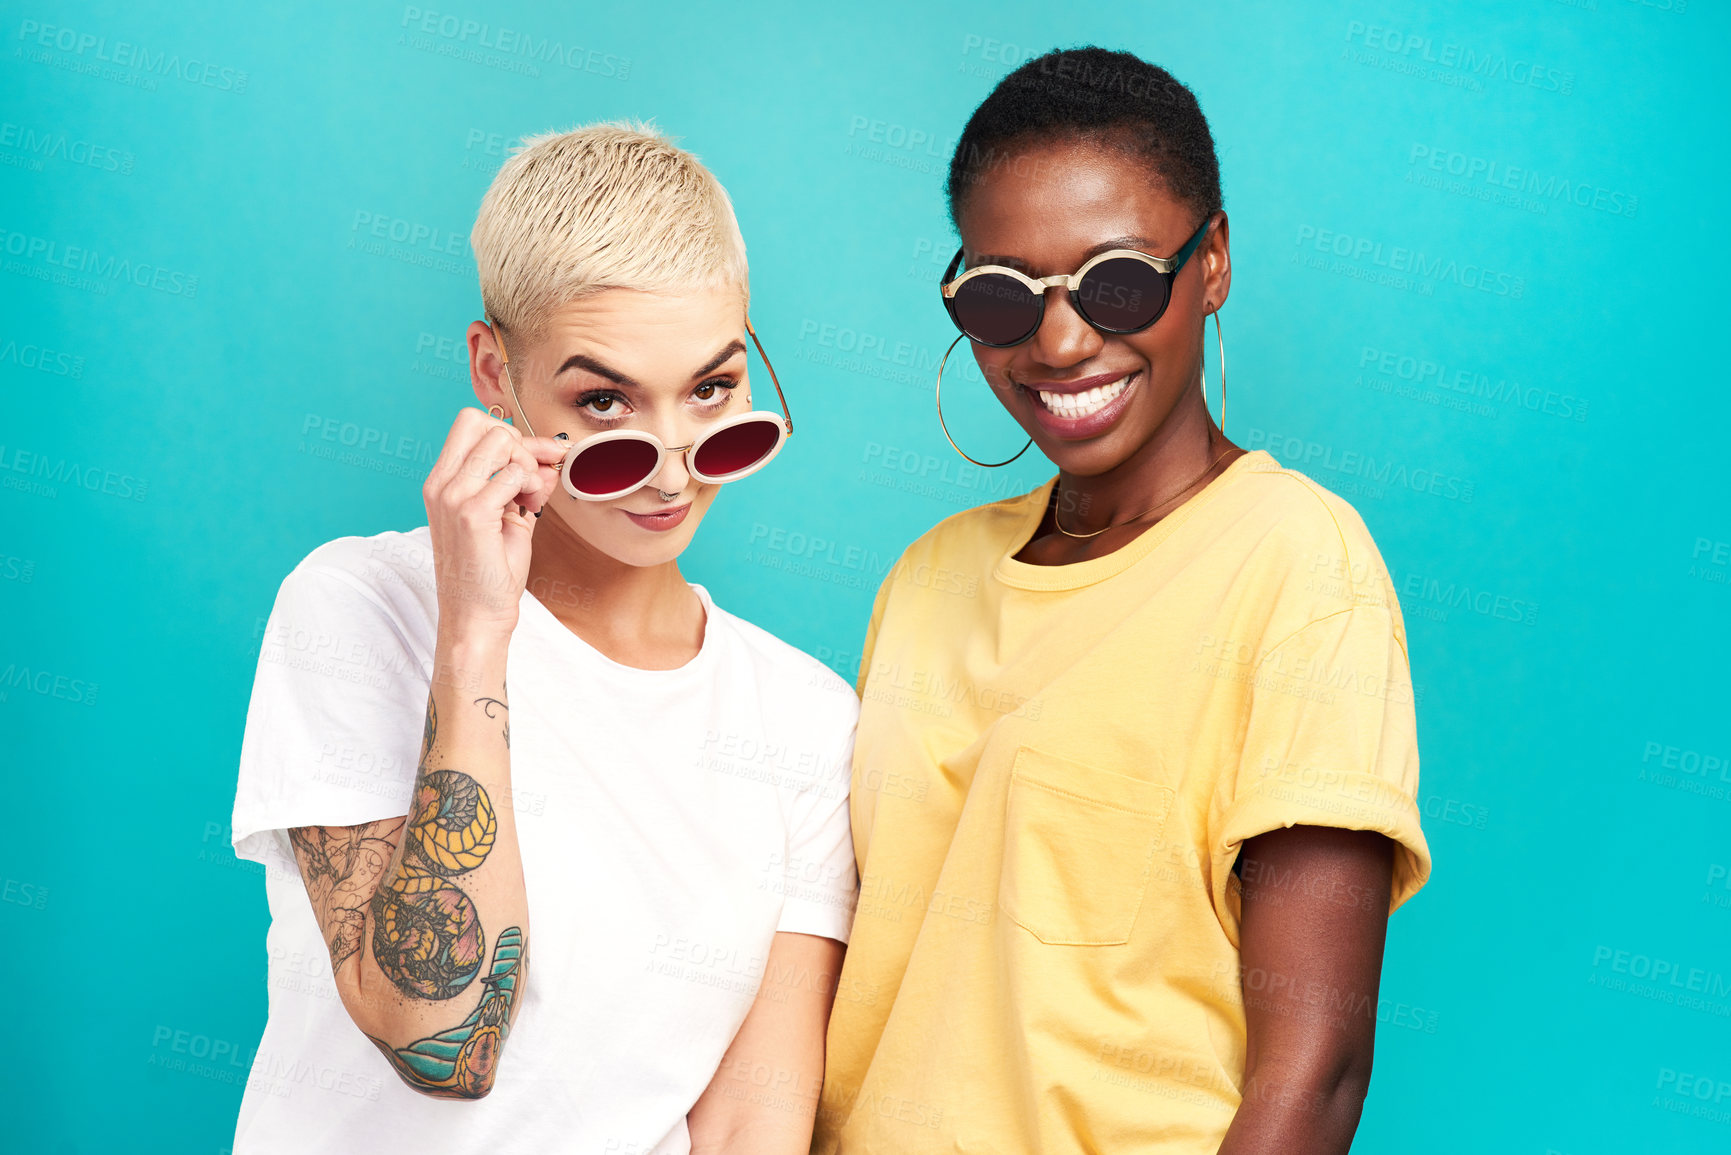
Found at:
<point>646,555</point>
<point>1094,456</point>
<point>1083,463</point>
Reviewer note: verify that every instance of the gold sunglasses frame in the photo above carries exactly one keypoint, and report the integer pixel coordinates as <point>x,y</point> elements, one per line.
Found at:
<point>1168,267</point>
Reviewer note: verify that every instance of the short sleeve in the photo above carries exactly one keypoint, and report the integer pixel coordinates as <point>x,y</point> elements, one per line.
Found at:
<point>333,729</point>
<point>876,620</point>
<point>821,883</point>
<point>1330,740</point>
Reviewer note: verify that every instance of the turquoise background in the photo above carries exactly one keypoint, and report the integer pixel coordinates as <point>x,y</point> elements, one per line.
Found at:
<point>167,455</point>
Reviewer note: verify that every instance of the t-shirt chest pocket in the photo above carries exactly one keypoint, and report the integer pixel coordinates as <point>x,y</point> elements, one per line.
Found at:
<point>1078,846</point>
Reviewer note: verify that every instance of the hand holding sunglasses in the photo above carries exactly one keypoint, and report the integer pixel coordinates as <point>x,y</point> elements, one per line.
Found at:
<point>615,462</point>
<point>1119,291</point>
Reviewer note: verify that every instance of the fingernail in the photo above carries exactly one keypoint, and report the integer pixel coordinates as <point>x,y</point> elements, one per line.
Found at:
<point>537,513</point>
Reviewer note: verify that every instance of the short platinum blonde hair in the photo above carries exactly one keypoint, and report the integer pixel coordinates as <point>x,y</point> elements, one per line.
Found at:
<point>606,206</point>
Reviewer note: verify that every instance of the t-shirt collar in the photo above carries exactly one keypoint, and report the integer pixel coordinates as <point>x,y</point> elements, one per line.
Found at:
<point>1027,576</point>
<point>535,614</point>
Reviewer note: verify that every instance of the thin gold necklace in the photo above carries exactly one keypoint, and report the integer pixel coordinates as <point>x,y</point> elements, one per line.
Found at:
<point>1085,536</point>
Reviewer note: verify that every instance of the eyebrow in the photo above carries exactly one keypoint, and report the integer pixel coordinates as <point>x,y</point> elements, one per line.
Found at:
<point>580,361</point>
<point>721,358</point>
<point>1140,244</point>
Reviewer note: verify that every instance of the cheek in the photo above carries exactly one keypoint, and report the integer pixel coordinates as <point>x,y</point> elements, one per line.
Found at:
<point>1170,365</point>
<point>1166,347</point>
<point>997,366</point>
<point>588,518</point>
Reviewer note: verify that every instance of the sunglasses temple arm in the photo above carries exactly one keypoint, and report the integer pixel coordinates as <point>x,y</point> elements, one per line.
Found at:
<point>510,386</point>
<point>951,270</point>
<point>773,379</point>
<point>1190,247</point>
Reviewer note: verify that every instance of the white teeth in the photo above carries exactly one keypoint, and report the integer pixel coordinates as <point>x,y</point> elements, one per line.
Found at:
<point>1086,403</point>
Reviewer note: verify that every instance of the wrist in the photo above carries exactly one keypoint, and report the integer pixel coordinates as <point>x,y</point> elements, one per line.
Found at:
<point>470,656</point>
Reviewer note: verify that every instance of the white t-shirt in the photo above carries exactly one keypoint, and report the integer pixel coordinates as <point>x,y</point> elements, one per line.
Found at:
<point>670,822</point>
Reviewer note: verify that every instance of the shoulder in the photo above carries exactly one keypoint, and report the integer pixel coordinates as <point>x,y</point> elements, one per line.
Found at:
<point>381,559</point>
<point>788,673</point>
<point>373,563</point>
<point>1305,528</point>
<point>384,578</point>
<point>971,541</point>
<point>1305,554</point>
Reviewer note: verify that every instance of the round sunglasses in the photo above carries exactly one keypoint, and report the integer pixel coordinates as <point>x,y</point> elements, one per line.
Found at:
<point>1118,291</point>
<point>616,462</point>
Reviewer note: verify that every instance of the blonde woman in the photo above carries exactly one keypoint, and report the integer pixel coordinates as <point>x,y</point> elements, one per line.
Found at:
<point>518,733</point>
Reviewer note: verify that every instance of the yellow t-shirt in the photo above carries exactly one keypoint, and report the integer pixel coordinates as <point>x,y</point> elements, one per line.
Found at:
<point>1054,769</point>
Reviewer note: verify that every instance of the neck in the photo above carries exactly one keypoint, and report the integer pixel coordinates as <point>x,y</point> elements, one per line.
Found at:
<point>1180,449</point>
<point>645,616</point>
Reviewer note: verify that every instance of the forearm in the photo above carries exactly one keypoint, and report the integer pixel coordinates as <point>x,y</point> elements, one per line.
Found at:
<point>1292,1108</point>
<point>426,915</point>
<point>448,920</point>
<point>763,1098</point>
<point>773,1119</point>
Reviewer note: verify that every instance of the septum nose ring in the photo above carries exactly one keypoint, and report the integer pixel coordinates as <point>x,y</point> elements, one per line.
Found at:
<point>662,493</point>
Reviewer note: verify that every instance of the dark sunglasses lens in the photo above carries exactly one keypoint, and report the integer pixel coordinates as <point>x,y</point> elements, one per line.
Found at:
<point>996,310</point>
<point>736,447</point>
<point>1122,295</point>
<point>612,466</point>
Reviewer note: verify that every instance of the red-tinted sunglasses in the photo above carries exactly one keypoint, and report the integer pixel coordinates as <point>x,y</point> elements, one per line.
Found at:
<point>615,462</point>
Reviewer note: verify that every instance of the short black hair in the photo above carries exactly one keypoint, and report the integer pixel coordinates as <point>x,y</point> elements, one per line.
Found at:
<point>1115,99</point>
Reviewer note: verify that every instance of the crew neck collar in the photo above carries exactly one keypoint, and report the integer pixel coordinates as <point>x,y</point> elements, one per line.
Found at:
<point>532,607</point>
<point>1028,576</point>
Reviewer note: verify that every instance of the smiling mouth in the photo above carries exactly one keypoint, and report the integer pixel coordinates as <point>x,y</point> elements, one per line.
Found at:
<point>1083,404</point>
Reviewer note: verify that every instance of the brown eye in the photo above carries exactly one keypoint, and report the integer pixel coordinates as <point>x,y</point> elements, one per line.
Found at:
<point>600,404</point>
<point>709,389</point>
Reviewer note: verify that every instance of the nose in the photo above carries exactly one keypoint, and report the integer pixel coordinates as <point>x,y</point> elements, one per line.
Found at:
<point>1064,338</point>
<point>675,472</point>
<point>674,476</point>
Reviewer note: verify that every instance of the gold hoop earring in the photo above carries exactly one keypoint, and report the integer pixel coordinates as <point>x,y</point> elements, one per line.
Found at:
<point>1220,344</point>
<point>938,394</point>
<point>497,412</point>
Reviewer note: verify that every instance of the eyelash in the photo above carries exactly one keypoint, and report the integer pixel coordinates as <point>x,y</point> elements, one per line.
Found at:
<point>726,383</point>
<point>584,400</point>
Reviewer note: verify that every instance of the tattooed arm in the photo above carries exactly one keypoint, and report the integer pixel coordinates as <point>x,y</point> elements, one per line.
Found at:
<point>425,915</point>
